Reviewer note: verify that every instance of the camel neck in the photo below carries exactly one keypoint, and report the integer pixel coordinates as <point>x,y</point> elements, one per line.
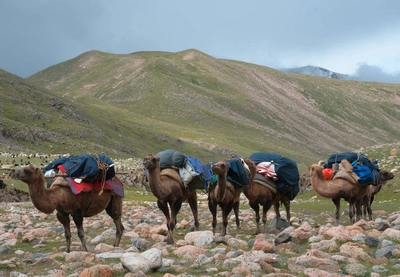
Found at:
<point>155,181</point>
<point>221,185</point>
<point>323,187</point>
<point>40,196</point>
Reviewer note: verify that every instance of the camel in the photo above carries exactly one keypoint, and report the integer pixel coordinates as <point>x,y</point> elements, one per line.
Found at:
<point>62,199</point>
<point>169,191</point>
<point>336,189</point>
<point>225,195</point>
<point>259,194</point>
<point>372,191</point>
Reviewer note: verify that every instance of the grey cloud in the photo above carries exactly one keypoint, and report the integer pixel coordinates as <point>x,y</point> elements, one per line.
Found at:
<point>38,34</point>
<point>373,73</point>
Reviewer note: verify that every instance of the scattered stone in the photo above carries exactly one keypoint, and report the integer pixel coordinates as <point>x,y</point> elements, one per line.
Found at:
<point>305,248</point>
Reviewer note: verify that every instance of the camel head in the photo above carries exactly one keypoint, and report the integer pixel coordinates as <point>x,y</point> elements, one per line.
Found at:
<point>220,167</point>
<point>26,174</point>
<point>386,175</point>
<point>252,167</point>
<point>312,169</point>
<point>151,161</point>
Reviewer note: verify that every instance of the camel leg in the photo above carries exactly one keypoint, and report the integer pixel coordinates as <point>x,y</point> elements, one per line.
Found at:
<point>175,207</point>
<point>114,210</point>
<point>266,208</point>
<point>286,203</point>
<point>236,211</point>
<point>352,210</point>
<point>369,208</point>
<point>225,213</point>
<point>277,214</point>
<point>365,207</point>
<point>256,209</point>
<point>337,214</point>
<point>358,206</point>
<point>65,221</point>
<point>193,206</point>
<point>213,209</point>
<point>78,219</point>
<point>164,208</point>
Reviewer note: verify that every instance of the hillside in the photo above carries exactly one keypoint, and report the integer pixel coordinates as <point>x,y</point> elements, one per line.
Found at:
<point>33,119</point>
<point>149,101</point>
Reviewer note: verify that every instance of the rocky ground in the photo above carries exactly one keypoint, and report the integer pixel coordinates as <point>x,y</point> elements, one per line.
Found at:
<point>33,244</point>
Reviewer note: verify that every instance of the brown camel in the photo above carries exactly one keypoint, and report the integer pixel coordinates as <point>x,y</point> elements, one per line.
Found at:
<point>259,194</point>
<point>372,191</point>
<point>169,191</point>
<point>225,195</point>
<point>62,199</point>
<point>336,189</point>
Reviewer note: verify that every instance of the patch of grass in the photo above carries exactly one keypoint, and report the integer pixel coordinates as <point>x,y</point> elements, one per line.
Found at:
<point>257,108</point>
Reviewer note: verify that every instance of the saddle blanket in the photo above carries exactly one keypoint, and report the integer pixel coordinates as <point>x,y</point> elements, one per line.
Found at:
<point>113,184</point>
<point>265,181</point>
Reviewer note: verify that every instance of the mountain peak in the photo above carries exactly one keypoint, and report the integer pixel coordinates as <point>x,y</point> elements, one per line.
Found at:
<point>317,71</point>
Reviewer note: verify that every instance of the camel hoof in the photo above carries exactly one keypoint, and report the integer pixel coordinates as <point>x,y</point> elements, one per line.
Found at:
<point>220,239</point>
<point>169,241</point>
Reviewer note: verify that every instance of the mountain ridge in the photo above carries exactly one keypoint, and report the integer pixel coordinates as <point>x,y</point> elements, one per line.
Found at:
<point>319,71</point>
<point>189,100</point>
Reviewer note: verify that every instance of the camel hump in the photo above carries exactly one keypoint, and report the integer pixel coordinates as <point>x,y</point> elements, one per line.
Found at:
<point>172,173</point>
<point>60,181</point>
<point>346,172</point>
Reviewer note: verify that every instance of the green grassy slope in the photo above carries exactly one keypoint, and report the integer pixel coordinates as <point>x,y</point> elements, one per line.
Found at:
<point>194,102</point>
<point>33,119</point>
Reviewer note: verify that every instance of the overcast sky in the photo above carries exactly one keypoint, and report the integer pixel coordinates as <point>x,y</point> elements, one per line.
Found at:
<point>355,37</point>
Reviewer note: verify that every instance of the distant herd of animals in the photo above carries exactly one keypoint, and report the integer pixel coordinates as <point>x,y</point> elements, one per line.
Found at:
<point>266,179</point>
<point>24,161</point>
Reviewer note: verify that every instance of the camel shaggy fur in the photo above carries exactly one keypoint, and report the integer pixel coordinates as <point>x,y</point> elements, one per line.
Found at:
<point>337,189</point>
<point>225,195</point>
<point>170,193</point>
<point>62,199</point>
<point>260,195</point>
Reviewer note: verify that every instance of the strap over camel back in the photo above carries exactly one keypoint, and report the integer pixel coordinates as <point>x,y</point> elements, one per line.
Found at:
<point>366,169</point>
<point>287,176</point>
